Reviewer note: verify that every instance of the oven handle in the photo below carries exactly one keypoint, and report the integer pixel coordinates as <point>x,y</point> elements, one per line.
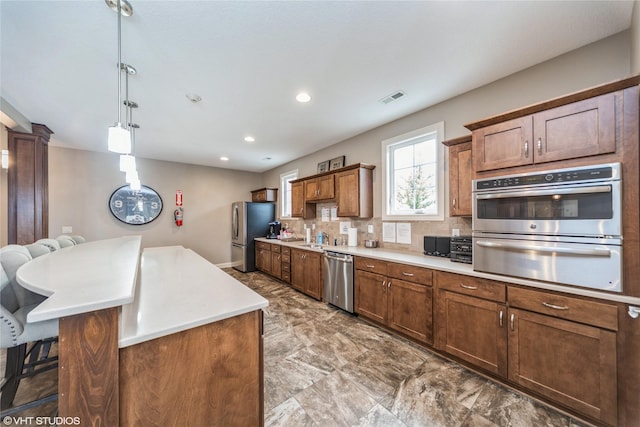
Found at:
<point>547,192</point>
<point>558,249</point>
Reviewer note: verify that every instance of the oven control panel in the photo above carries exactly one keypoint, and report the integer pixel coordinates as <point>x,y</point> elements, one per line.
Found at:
<point>583,174</point>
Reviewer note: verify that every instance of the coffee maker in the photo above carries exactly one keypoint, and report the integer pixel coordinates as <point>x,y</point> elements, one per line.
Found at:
<point>274,230</point>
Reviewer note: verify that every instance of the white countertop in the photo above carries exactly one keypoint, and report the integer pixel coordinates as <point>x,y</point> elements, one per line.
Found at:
<point>445,264</point>
<point>82,278</point>
<point>180,290</point>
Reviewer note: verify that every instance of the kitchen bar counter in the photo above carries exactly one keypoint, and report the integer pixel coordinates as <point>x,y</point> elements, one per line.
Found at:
<point>87,277</point>
<point>445,264</point>
<point>180,290</point>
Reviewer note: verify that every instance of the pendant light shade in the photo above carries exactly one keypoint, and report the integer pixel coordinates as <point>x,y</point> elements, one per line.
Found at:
<point>127,163</point>
<point>119,140</point>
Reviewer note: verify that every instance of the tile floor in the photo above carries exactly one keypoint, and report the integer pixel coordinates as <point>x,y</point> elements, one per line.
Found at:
<point>324,367</point>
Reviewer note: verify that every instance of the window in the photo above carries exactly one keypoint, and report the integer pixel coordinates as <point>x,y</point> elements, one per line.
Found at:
<point>413,168</point>
<point>285,191</point>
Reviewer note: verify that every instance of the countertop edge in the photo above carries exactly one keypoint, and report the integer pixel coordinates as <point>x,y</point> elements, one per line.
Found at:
<point>448,266</point>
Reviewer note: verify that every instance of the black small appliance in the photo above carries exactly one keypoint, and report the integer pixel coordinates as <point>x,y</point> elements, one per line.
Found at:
<point>437,245</point>
<point>462,249</point>
<point>274,230</point>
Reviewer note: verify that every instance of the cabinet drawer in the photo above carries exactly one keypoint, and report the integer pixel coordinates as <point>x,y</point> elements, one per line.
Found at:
<point>468,285</point>
<point>588,312</point>
<point>286,250</point>
<point>275,249</point>
<point>369,264</point>
<point>410,273</point>
<point>286,276</point>
<point>285,266</point>
<point>263,245</point>
<point>286,258</point>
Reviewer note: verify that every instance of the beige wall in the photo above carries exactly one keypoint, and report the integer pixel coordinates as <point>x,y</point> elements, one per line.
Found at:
<point>4,209</point>
<point>635,38</point>
<point>598,63</point>
<point>81,182</point>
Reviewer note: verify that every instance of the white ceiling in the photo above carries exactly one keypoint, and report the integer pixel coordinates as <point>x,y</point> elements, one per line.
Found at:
<point>248,60</point>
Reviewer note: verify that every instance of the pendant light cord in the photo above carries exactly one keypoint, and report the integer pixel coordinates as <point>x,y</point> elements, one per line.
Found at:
<point>119,63</point>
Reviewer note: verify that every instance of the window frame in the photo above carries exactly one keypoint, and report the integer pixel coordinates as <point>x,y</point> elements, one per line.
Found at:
<point>405,139</point>
<point>285,193</point>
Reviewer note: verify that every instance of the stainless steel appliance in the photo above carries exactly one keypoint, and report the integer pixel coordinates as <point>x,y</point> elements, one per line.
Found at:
<point>248,221</point>
<point>338,280</point>
<point>562,226</point>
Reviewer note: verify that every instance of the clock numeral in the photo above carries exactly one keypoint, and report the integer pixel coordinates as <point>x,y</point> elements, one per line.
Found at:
<point>117,203</point>
<point>154,205</point>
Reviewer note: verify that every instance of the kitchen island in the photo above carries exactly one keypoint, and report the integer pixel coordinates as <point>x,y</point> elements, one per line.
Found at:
<point>160,338</point>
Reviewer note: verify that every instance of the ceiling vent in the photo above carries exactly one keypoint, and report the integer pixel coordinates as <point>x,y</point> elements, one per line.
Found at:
<point>393,97</point>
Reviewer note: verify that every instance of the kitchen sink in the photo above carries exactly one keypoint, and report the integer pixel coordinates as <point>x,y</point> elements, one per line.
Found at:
<point>312,246</point>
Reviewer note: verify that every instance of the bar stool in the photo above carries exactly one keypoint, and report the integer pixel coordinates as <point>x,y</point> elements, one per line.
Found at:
<point>65,241</point>
<point>52,244</point>
<point>15,304</point>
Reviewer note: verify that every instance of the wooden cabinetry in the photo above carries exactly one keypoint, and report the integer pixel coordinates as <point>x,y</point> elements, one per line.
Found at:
<point>321,188</point>
<point>28,185</point>
<point>299,207</point>
<point>276,261</point>
<point>460,175</point>
<point>351,187</point>
<point>306,272</point>
<point>264,195</point>
<point>354,193</point>
<point>564,348</point>
<point>285,266</point>
<point>579,129</point>
<point>396,295</point>
<point>263,257</point>
<point>471,319</point>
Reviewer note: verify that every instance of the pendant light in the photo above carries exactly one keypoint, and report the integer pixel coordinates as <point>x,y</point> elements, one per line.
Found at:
<point>119,138</point>
<point>128,161</point>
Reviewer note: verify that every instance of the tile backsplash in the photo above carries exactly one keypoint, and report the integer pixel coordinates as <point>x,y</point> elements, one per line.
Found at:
<point>418,229</point>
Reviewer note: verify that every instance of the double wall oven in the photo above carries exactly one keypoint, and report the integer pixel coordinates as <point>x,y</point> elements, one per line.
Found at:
<point>562,226</point>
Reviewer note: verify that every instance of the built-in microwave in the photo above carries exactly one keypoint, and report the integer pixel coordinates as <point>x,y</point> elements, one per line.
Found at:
<point>562,226</point>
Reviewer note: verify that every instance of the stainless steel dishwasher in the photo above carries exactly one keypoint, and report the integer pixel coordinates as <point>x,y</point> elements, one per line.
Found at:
<point>338,280</point>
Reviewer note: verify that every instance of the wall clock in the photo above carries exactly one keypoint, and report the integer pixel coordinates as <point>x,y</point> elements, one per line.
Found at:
<point>135,207</point>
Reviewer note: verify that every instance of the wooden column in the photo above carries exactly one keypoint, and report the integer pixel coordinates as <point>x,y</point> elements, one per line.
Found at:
<point>88,368</point>
<point>28,194</point>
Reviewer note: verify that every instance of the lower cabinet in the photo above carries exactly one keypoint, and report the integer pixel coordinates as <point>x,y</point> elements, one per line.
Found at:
<point>306,272</point>
<point>276,262</point>
<point>263,257</point>
<point>559,347</point>
<point>285,264</point>
<point>395,295</point>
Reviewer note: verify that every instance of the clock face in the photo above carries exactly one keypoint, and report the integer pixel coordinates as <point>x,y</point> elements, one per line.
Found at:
<point>135,207</point>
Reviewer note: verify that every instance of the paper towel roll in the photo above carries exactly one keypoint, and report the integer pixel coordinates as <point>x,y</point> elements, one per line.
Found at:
<point>353,237</point>
<point>308,236</point>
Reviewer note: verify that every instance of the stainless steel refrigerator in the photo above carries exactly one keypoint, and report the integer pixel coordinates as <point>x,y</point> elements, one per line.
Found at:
<point>248,221</point>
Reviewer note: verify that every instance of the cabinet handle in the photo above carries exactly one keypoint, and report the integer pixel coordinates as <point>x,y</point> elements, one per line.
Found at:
<point>555,307</point>
<point>384,284</point>
<point>526,149</point>
<point>539,145</point>
<point>501,316</point>
<point>454,203</point>
<point>513,318</point>
<point>370,266</point>
<point>473,288</point>
<point>389,285</point>
<point>408,274</point>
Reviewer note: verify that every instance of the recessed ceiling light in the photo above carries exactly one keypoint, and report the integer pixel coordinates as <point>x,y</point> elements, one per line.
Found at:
<point>303,97</point>
<point>224,159</point>
<point>249,139</point>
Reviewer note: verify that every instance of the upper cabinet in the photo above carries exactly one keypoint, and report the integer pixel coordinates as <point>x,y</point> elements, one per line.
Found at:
<point>321,188</point>
<point>350,187</point>
<point>460,175</point>
<point>575,126</point>
<point>580,129</point>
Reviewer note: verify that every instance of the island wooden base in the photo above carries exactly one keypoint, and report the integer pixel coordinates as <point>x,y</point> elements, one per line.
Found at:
<point>210,375</point>
<point>88,367</point>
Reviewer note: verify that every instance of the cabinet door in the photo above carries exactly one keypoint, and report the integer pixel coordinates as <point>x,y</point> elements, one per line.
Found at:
<point>297,199</point>
<point>474,330</point>
<point>460,177</point>
<point>504,144</point>
<point>410,309</point>
<point>276,265</point>
<point>347,193</point>
<point>371,295</point>
<point>313,274</point>
<point>569,362</point>
<point>263,260</point>
<point>326,187</point>
<point>297,269</point>
<point>311,189</point>
<point>585,128</point>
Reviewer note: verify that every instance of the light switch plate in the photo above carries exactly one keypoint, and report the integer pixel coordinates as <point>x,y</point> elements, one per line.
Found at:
<point>66,229</point>
<point>370,228</point>
<point>455,232</point>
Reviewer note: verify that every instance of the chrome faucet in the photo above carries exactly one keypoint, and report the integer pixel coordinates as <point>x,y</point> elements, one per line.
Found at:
<point>325,238</point>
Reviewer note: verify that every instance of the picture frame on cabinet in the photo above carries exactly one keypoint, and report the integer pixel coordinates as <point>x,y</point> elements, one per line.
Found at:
<point>336,163</point>
<point>323,166</point>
